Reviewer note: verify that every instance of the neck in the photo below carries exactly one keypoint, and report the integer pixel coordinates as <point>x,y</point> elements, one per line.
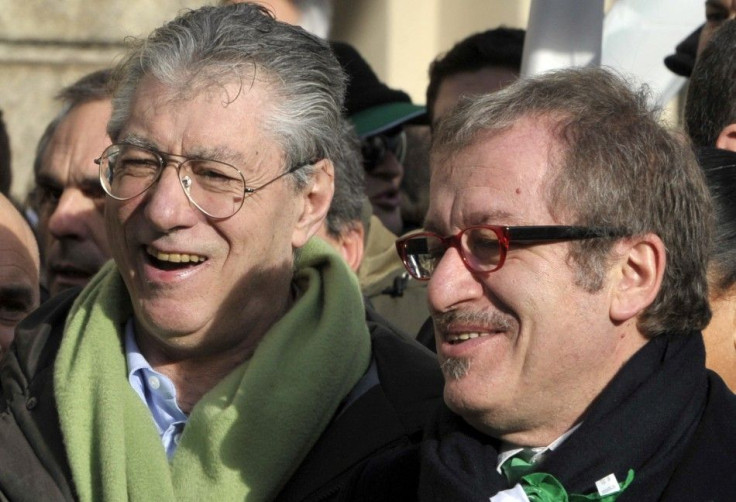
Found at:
<point>196,369</point>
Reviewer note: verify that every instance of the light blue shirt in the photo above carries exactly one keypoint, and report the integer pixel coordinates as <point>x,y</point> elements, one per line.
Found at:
<point>157,392</point>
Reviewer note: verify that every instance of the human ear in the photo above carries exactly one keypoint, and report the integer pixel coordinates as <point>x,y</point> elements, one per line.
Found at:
<point>351,246</point>
<point>727,138</point>
<point>639,269</point>
<point>316,198</point>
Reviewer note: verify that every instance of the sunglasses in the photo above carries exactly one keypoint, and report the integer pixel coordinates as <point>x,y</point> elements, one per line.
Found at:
<point>375,148</point>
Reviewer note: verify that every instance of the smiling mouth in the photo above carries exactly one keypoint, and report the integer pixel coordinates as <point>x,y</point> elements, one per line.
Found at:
<point>458,338</point>
<point>173,261</point>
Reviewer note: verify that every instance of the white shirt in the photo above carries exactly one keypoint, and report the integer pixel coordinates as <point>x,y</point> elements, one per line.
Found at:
<point>517,494</point>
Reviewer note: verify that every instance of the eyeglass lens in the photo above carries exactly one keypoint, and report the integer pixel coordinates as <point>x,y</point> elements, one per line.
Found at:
<point>480,248</point>
<point>375,148</point>
<point>216,188</point>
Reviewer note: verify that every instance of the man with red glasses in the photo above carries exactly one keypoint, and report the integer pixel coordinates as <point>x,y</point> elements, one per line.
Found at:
<point>223,354</point>
<point>565,248</point>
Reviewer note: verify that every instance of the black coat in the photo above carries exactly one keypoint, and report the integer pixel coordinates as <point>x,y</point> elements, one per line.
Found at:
<point>381,413</point>
<point>663,417</point>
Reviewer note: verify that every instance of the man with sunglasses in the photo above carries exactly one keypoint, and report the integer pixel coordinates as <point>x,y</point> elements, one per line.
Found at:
<point>378,114</point>
<point>565,251</point>
<point>224,353</point>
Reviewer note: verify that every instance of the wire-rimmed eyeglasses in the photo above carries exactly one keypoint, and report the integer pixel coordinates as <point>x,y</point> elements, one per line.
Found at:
<point>215,188</point>
<point>483,248</point>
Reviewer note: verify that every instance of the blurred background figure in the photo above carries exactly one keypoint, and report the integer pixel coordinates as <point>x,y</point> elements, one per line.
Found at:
<point>414,187</point>
<point>717,12</point>
<point>68,198</point>
<point>390,297</point>
<point>378,114</point>
<point>19,271</point>
<point>6,173</point>
<point>720,335</point>
<point>315,16</point>
<point>710,107</point>
<point>481,63</point>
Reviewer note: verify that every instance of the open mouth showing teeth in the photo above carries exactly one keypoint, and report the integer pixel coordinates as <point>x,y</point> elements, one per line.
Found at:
<point>463,337</point>
<point>173,261</point>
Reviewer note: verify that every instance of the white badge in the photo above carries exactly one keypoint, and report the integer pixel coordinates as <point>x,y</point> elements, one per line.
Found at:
<point>607,485</point>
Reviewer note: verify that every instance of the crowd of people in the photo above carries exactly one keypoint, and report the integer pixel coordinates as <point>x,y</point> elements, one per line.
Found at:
<point>246,272</point>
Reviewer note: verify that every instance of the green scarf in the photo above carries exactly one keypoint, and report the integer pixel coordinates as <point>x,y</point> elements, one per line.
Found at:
<point>248,434</point>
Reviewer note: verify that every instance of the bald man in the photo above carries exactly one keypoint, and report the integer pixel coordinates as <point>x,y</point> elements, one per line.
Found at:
<point>19,271</point>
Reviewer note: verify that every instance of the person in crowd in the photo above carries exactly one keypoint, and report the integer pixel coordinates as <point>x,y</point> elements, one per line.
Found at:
<point>19,271</point>
<point>710,121</point>
<point>719,167</point>
<point>480,63</point>
<point>710,105</point>
<point>347,227</point>
<point>378,114</point>
<point>566,248</point>
<point>717,13</point>
<point>223,354</point>
<point>6,172</point>
<point>67,197</point>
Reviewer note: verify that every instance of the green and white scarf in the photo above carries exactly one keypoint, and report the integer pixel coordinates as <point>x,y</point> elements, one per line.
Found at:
<point>248,434</point>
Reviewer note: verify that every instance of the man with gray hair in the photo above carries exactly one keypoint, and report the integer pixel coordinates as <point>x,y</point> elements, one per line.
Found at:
<point>565,248</point>
<point>223,354</point>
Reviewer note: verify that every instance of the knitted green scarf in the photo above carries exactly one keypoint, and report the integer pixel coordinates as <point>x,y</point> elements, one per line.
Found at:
<point>247,435</point>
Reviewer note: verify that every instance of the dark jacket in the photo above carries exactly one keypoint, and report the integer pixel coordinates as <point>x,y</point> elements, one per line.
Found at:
<point>385,410</point>
<point>664,419</point>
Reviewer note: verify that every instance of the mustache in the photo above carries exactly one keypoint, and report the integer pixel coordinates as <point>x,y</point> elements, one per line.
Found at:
<point>497,320</point>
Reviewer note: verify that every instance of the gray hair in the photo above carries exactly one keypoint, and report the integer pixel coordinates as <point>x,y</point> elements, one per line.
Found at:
<point>616,166</point>
<point>242,42</point>
<point>346,209</point>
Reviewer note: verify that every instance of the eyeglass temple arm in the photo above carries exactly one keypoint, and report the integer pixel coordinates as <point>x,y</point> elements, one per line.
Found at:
<point>549,232</point>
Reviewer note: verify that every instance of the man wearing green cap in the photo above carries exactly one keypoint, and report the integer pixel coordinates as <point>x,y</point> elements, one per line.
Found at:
<point>378,114</point>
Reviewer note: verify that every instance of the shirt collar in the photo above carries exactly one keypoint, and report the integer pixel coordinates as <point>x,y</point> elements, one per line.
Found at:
<point>508,450</point>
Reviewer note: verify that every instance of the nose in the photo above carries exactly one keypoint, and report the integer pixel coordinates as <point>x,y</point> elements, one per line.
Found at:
<point>68,220</point>
<point>452,284</point>
<point>166,204</point>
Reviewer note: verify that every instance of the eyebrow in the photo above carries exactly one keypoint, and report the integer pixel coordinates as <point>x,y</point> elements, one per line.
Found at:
<point>48,180</point>
<point>220,153</point>
<point>476,218</point>
<point>17,293</point>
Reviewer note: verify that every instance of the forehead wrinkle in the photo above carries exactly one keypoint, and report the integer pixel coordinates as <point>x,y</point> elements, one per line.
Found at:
<point>220,153</point>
